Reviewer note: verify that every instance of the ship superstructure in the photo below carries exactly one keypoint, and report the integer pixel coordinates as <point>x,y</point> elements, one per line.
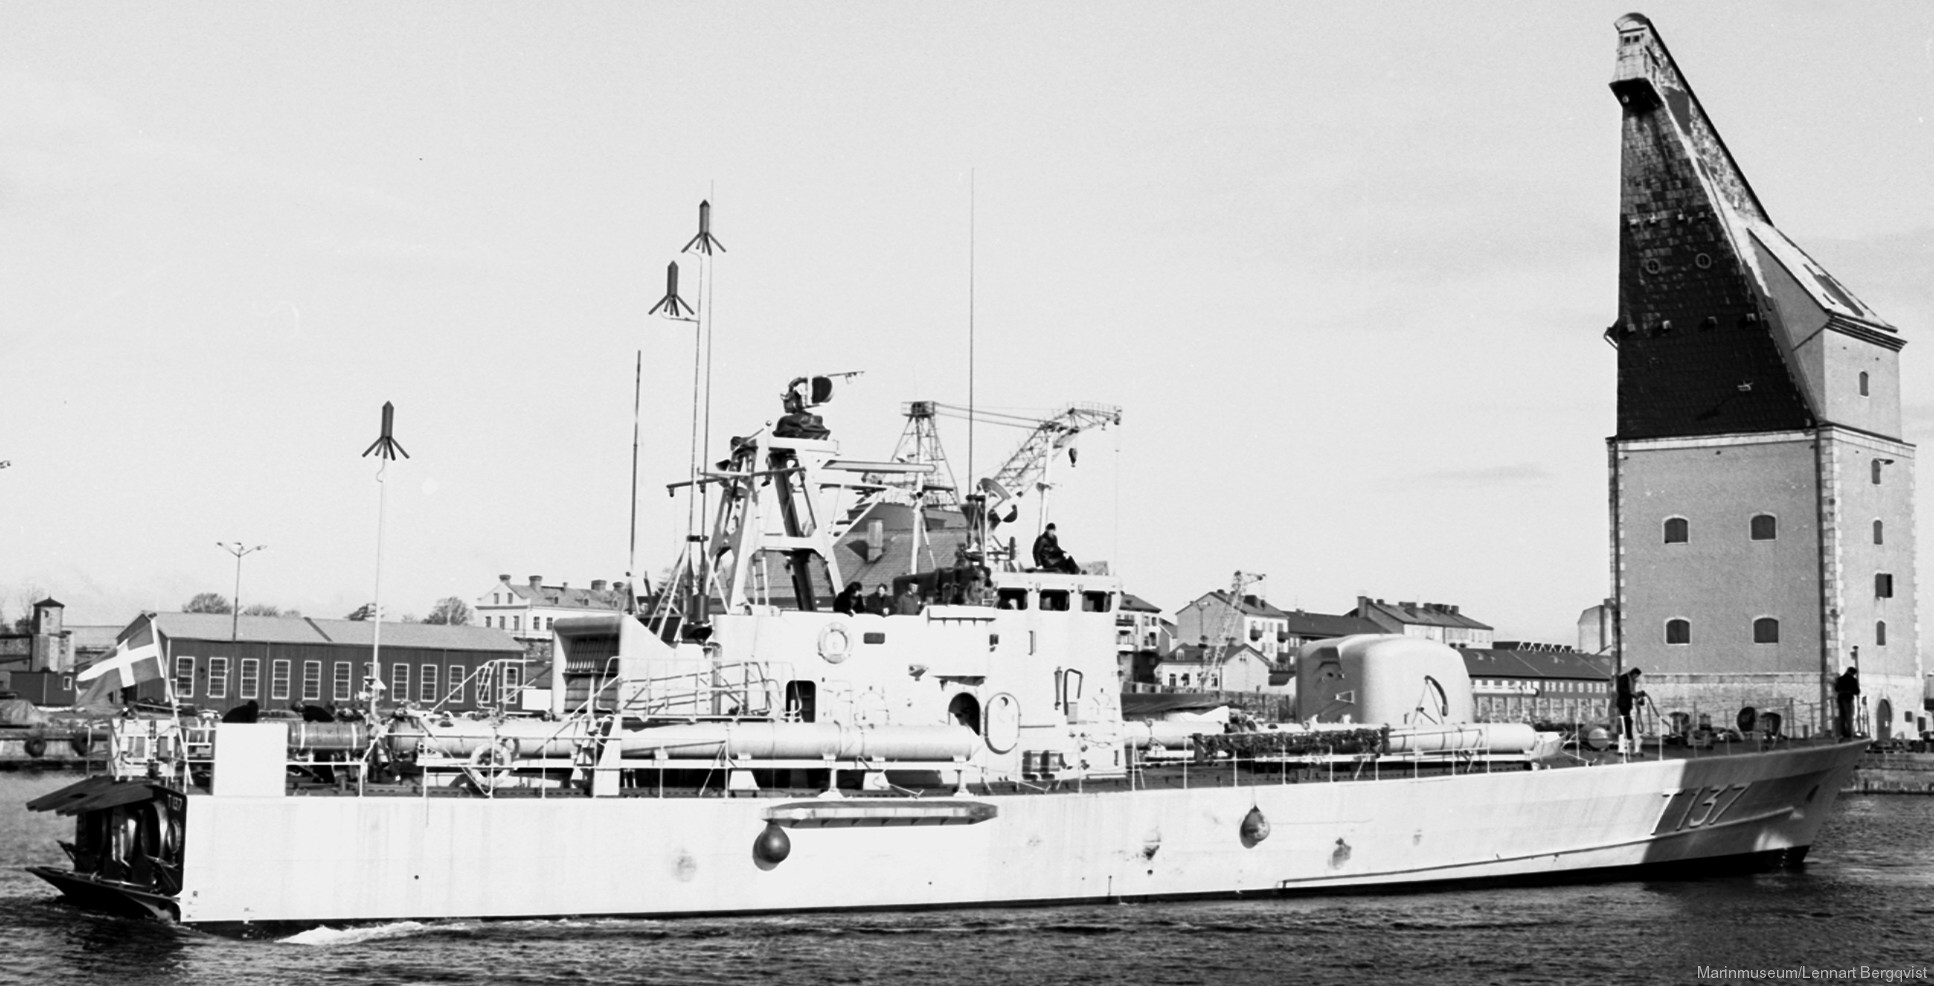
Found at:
<point>758,742</point>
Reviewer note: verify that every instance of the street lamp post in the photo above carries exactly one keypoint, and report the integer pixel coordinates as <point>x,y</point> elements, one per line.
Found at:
<point>237,549</point>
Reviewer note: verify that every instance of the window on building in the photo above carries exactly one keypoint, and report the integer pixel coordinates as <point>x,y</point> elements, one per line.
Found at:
<point>1883,585</point>
<point>399,682</point>
<point>184,677</point>
<point>279,681</point>
<point>517,623</point>
<point>1765,527</point>
<point>250,685</point>
<point>456,684</point>
<point>1678,631</point>
<point>1676,531</point>
<point>1880,533</point>
<point>1766,630</point>
<point>345,685</point>
<point>312,681</point>
<point>1875,467</point>
<point>1880,633</point>
<point>217,677</point>
<point>1863,383</point>
<point>426,684</point>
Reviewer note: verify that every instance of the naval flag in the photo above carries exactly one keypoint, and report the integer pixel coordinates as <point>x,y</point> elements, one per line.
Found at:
<point>135,660</point>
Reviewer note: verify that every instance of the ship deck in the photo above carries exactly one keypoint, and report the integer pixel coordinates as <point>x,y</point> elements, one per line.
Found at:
<point>643,779</point>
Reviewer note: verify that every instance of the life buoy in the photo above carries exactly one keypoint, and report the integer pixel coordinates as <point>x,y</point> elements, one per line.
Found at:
<point>835,642</point>
<point>36,746</point>
<point>497,755</point>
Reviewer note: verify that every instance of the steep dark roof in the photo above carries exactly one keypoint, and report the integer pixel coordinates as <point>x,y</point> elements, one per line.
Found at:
<point>1699,330</point>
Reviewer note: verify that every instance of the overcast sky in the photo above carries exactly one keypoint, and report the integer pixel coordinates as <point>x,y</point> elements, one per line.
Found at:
<point>1345,267</point>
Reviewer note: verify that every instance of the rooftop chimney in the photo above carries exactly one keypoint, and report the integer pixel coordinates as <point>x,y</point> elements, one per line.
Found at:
<point>597,585</point>
<point>537,581</point>
<point>503,578</point>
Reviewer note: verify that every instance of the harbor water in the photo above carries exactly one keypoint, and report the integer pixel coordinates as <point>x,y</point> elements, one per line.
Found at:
<point>1864,901</point>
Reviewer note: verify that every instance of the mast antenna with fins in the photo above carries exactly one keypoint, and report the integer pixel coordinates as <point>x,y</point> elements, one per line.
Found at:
<point>386,449</point>
<point>690,574</point>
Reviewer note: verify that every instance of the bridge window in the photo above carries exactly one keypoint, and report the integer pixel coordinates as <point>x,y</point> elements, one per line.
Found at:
<point>1883,585</point>
<point>1678,631</point>
<point>1096,602</point>
<point>1766,527</point>
<point>1012,598</point>
<point>1880,531</point>
<point>1874,467</point>
<point>1863,383</point>
<point>1055,600</point>
<point>1676,530</point>
<point>1880,633</point>
<point>1766,630</point>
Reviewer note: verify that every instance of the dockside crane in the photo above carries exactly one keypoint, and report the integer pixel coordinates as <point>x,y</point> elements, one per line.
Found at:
<point>1232,618</point>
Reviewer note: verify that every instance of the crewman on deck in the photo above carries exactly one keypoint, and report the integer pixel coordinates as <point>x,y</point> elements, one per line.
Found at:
<point>1846,692</point>
<point>1048,556</point>
<point>849,600</point>
<point>1629,695</point>
<point>906,604</point>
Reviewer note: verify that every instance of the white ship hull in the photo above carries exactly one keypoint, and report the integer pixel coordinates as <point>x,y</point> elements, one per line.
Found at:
<point>327,859</point>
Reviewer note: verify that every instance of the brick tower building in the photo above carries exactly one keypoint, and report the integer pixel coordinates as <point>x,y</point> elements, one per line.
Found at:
<point>1761,490</point>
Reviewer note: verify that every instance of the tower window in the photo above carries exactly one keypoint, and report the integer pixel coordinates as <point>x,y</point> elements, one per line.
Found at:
<point>1766,630</point>
<point>1678,631</point>
<point>1765,527</point>
<point>1880,633</point>
<point>1875,466</point>
<point>1676,530</point>
<point>1879,531</point>
<point>1883,585</point>
<point>1863,383</point>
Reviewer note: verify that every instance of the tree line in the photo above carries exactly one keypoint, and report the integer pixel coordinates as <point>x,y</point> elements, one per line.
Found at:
<point>448,611</point>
